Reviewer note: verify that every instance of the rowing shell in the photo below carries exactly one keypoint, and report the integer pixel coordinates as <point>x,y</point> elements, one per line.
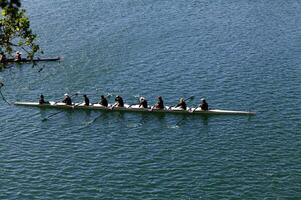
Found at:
<point>135,108</point>
<point>24,60</point>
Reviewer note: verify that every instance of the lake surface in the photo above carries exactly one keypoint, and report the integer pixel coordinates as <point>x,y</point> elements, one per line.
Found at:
<point>239,55</point>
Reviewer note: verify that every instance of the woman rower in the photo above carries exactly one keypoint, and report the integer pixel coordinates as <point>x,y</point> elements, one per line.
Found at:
<point>18,56</point>
<point>67,99</point>
<point>2,57</point>
<point>159,104</point>
<point>143,102</point>
<point>86,100</point>
<point>118,101</point>
<point>182,104</point>
<point>103,101</point>
<point>204,104</point>
<point>42,100</point>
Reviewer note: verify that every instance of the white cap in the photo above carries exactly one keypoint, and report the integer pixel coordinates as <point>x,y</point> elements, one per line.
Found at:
<point>202,99</point>
<point>18,52</point>
<point>66,94</point>
<point>141,98</point>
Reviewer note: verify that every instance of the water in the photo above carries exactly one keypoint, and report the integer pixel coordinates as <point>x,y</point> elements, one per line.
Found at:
<point>240,55</point>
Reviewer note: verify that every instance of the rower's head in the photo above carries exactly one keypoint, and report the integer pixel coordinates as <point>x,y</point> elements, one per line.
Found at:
<point>66,95</point>
<point>181,100</point>
<point>42,96</point>
<point>203,100</point>
<point>85,95</point>
<point>102,96</point>
<point>159,97</point>
<point>142,98</point>
<point>18,52</point>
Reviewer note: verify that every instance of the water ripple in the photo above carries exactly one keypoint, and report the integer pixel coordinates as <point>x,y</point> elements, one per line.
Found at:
<point>239,55</point>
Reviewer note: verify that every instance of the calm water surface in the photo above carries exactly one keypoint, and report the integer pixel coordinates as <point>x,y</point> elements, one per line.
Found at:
<point>240,55</point>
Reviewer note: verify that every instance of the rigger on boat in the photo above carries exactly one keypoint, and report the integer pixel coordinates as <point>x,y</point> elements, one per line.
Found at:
<point>119,105</point>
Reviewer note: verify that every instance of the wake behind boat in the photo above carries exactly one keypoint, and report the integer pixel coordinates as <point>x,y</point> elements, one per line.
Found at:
<point>134,108</point>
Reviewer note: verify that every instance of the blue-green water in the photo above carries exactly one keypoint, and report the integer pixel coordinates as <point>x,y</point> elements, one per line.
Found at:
<point>240,55</point>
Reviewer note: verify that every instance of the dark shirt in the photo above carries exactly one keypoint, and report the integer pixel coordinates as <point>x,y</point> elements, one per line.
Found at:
<point>204,106</point>
<point>160,104</point>
<point>42,101</point>
<point>143,103</point>
<point>182,105</point>
<point>104,102</point>
<point>119,101</point>
<point>2,58</point>
<point>18,57</point>
<point>87,101</point>
<point>68,101</point>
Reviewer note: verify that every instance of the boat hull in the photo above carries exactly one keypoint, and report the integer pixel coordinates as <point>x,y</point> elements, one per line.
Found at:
<point>25,60</point>
<point>134,108</point>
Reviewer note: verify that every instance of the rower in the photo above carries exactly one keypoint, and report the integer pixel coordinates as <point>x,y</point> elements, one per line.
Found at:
<point>67,99</point>
<point>159,104</point>
<point>103,101</point>
<point>2,57</point>
<point>18,56</point>
<point>86,100</point>
<point>143,102</point>
<point>42,100</point>
<point>118,101</point>
<point>182,104</point>
<point>204,104</point>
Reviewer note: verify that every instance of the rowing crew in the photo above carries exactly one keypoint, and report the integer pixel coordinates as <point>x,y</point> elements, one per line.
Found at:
<point>17,57</point>
<point>120,103</point>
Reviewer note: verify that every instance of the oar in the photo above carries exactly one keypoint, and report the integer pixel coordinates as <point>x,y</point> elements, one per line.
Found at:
<point>1,85</point>
<point>194,109</point>
<point>137,98</point>
<point>180,121</point>
<point>107,96</point>
<point>46,118</point>
<point>4,97</point>
<point>188,99</point>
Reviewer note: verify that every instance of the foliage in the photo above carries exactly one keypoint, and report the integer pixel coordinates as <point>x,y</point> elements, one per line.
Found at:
<point>15,29</point>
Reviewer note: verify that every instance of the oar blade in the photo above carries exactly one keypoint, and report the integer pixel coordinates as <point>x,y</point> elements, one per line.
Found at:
<point>44,120</point>
<point>190,98</point>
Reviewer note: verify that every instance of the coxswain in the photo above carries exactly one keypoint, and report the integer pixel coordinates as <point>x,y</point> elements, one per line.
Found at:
<point>42,100</point>
<point>159,104</point>
<point>2,57</point>
<point>143,102</point>
<point>182,104</point>
<point>67,100</point>
<point>86,100</point>
<point>204,104</point>
<point>118,101</point>
<point>103,101</point>
<point>18,56</point>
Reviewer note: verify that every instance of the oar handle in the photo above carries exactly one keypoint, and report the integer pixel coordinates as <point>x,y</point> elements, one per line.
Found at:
<point>189,98</point>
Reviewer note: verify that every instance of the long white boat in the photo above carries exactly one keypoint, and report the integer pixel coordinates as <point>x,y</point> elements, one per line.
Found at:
<point>134,108</point>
